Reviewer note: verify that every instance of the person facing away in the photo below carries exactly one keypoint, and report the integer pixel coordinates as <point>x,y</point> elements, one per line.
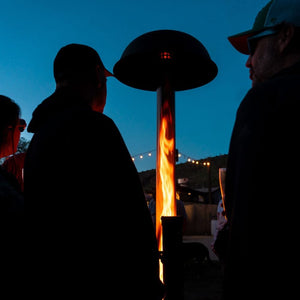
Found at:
<point>88,241</point>
<point>11,197</point>
<point>11,203</point>
<point>261,178</point>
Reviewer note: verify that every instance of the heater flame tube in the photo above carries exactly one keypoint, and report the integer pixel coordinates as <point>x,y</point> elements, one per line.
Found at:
<point>165,164</point>
<point>168,225</point>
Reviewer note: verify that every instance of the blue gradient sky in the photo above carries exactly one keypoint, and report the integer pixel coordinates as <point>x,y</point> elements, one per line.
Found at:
<point>33,31</point>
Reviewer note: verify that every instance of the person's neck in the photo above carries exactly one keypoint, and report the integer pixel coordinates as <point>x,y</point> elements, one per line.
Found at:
<point>290,61</point>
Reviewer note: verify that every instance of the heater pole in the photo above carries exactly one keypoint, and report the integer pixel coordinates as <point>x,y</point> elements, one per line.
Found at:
<point>156,61</point>
<point>168,225</point>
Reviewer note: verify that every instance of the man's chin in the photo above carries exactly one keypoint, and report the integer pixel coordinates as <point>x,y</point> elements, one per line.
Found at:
<point>255,81</point>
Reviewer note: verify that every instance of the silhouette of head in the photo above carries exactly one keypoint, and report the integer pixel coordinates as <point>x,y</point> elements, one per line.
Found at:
<point>80,67</point>
<point>77,63</point>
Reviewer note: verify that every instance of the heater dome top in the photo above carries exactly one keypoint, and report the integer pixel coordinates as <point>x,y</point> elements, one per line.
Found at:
<point>154,56</point>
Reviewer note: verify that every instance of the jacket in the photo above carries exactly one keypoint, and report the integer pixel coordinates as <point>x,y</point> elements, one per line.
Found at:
<point>261,188</point>
<point>93,231</point>
<point>11,198</point>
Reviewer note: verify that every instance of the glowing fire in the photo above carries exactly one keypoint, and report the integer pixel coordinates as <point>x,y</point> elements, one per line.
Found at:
<point>165,187</point>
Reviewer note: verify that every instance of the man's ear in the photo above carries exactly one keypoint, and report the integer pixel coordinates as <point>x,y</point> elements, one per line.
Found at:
<point>286,34</point>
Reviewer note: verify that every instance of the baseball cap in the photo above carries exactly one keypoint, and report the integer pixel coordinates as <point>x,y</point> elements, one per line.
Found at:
<point>273,14</point>
<point>77,61</point>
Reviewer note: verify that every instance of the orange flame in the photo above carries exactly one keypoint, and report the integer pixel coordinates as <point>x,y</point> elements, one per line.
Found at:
<point>165,189</point>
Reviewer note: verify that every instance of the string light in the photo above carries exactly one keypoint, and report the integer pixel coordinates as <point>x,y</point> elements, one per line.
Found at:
<point>149,154</point>
<point>143,155</point>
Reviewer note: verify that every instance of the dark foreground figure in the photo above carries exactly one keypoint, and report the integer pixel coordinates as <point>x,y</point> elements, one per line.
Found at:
<point>91,232</point>
<point>263,161</point>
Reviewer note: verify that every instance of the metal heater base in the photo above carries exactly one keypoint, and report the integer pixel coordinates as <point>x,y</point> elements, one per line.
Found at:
<point>172,258</point>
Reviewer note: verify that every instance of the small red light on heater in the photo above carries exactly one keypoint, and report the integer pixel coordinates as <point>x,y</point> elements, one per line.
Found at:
<point>165,55</point>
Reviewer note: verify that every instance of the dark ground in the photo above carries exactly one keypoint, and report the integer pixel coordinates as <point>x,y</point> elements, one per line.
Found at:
<point>203,281</point>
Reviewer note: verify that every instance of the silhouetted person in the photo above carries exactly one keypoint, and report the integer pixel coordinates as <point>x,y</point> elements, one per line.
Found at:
<point>88,241</point>
<point>11,197</point>
<point>11,204</point>
<point>262,173</point>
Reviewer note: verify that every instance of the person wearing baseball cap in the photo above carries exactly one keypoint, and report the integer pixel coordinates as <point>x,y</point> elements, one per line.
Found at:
<point>259,180</point>
<point>77,68</point>
<point>77,171</point>
<point>278,19</point>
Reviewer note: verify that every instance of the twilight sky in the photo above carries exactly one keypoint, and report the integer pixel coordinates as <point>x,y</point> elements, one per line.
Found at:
<point>32,32</point>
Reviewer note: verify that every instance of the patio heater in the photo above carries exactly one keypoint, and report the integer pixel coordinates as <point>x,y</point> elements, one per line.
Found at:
<point>166,61</point>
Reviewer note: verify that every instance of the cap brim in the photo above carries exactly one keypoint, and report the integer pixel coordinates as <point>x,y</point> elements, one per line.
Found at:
<point>240,41</point>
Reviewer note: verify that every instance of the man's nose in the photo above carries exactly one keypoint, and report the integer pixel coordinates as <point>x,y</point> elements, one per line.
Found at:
<point>248,62</point>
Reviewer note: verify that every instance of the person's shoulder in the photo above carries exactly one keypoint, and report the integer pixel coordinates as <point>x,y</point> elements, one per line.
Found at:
<point>93,123</point>
<point>87,117</point>
<point>88,113</point>
<point>100,119</point>
<point>11,199</point>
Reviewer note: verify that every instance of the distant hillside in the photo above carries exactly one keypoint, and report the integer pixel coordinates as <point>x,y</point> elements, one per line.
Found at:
<point>197,174</point>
